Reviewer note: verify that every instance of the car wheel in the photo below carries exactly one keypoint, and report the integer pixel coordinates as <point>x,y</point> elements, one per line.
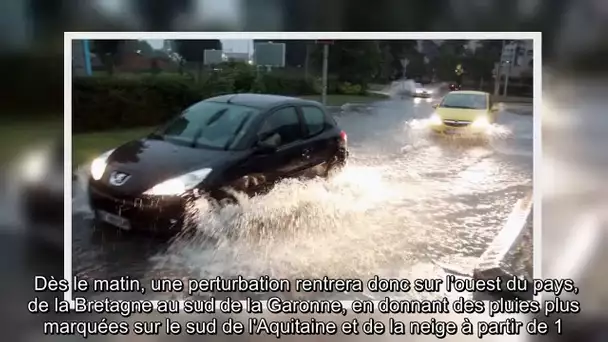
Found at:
<point>222,198</point>
<point>336,165</point>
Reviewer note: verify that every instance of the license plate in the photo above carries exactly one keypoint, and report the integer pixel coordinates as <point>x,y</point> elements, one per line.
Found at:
<point>114,220</point>
<point>449,131</point>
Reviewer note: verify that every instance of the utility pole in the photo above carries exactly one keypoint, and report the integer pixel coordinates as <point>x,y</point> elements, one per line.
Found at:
<point>325,66</point>
<point>498,70</point>
<point>511,62</point>
<point>86,49</point>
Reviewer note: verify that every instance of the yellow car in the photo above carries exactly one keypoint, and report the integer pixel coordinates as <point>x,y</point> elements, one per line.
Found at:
<point>463,112</point>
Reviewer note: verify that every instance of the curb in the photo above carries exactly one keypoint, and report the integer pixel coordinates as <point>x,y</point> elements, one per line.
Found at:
<point>489,264</point>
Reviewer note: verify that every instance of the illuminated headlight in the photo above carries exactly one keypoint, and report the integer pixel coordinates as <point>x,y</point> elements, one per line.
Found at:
<point>481,122</point>
<point>179,185</point>
<point>98,166</point>
<point>34,166</point>
<point>435,119</point>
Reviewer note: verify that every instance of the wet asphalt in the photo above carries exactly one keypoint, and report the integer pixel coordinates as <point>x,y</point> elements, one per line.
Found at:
<point>406,201</point>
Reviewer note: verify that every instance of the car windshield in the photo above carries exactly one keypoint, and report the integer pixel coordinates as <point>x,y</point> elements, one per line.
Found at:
<point>209,125</point>
<point>466,101</point>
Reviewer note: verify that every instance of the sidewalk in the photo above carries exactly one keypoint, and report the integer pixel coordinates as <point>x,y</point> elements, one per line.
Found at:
<point>512,99</point>
<point>519,108</point>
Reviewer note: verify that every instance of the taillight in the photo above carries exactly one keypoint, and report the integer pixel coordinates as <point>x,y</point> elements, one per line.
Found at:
<point>343,137</point>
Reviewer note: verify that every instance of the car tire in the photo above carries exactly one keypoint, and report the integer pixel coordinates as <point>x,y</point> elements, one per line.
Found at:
<point>337,164</point>
<point>222,198</point>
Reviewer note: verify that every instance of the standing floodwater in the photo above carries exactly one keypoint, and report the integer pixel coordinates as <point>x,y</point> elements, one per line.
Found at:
<point>404,202</point>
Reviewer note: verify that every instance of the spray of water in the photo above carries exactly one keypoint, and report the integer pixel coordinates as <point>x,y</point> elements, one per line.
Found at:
<point>337,227</point>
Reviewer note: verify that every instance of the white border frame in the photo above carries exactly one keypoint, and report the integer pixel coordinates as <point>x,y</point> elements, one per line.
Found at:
<point>537,101</point>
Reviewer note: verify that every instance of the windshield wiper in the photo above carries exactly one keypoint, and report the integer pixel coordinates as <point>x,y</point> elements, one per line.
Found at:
<point>236,133</point>
<point>196,136</point>
<point>458,107</point>
<point>211,120</point>
<point>216,116</point>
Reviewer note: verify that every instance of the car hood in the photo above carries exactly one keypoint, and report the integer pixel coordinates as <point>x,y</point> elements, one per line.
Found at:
<point>460,113</point>
<point>149,162</point>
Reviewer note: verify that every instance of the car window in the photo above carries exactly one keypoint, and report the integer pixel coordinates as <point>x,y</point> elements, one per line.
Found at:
<point>209,124</point>
<point>315,120</point>
<point>465,101</point>
<point>284,123</point>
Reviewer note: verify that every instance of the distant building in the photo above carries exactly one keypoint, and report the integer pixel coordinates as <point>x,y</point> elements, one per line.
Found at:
<point>295,51</point>
<point>78,61</point>
<point>137,62</point>
<point>519,54</point>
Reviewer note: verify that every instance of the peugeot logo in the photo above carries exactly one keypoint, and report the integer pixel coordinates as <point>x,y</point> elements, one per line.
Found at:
<point>118,178</point>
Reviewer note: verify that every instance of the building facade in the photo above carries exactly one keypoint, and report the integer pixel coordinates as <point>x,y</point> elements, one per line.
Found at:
<point>517,59</point>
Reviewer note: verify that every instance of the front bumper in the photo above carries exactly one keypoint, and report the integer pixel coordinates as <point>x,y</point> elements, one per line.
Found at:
<point>165,214</point>
<point>469,129</point>
<point>422,94</point>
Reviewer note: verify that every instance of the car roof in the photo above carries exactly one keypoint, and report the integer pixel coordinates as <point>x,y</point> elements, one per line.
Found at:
<point>469,92</point>
<point>260,101</point>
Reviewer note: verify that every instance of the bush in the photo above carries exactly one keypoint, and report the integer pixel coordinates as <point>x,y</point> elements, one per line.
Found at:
<point>332,85</point>
<point>114,102</point>
<point>284,84</point>
<point>101,103</point>
<point>348,88</point>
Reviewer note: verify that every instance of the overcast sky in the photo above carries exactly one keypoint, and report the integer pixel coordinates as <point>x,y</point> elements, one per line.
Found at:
<point>229,45</point>
<point>246,45</point>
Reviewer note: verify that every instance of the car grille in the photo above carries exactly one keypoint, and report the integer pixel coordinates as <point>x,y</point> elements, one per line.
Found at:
<point>128,201</point>
<point>456,123</point>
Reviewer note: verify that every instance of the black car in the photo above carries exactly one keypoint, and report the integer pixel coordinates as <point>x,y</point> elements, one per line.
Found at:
<point>243,142</point>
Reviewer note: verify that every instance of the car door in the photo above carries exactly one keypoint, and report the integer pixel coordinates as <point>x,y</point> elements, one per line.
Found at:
<point>265,169</point>
<point>320,141</point>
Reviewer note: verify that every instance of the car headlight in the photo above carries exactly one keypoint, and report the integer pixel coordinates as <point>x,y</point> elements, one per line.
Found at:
<point>179,185</point>
<point>481,121</point>
<point>435,119</point>
<point>35,165</point>
<point>98,165</point>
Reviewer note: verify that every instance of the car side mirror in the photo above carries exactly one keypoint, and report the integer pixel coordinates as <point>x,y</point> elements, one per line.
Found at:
<point>435,105</point>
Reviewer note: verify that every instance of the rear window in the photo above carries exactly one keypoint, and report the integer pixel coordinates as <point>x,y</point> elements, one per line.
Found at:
<point>315,119</point>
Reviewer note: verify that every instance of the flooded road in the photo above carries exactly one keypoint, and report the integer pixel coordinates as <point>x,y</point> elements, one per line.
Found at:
<point>405,201</point>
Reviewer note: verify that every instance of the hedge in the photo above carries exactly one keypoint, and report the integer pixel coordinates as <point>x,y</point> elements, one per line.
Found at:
<point>114,102</point>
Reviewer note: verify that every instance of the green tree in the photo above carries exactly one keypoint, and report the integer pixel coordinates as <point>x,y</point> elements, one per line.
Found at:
<point>416,68</point>
<point>354,61</point>
<point>451,53</point>
<point>107,51</point>
<point>399,50</point>
<point>194,51</point>
<point>480,62</point>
